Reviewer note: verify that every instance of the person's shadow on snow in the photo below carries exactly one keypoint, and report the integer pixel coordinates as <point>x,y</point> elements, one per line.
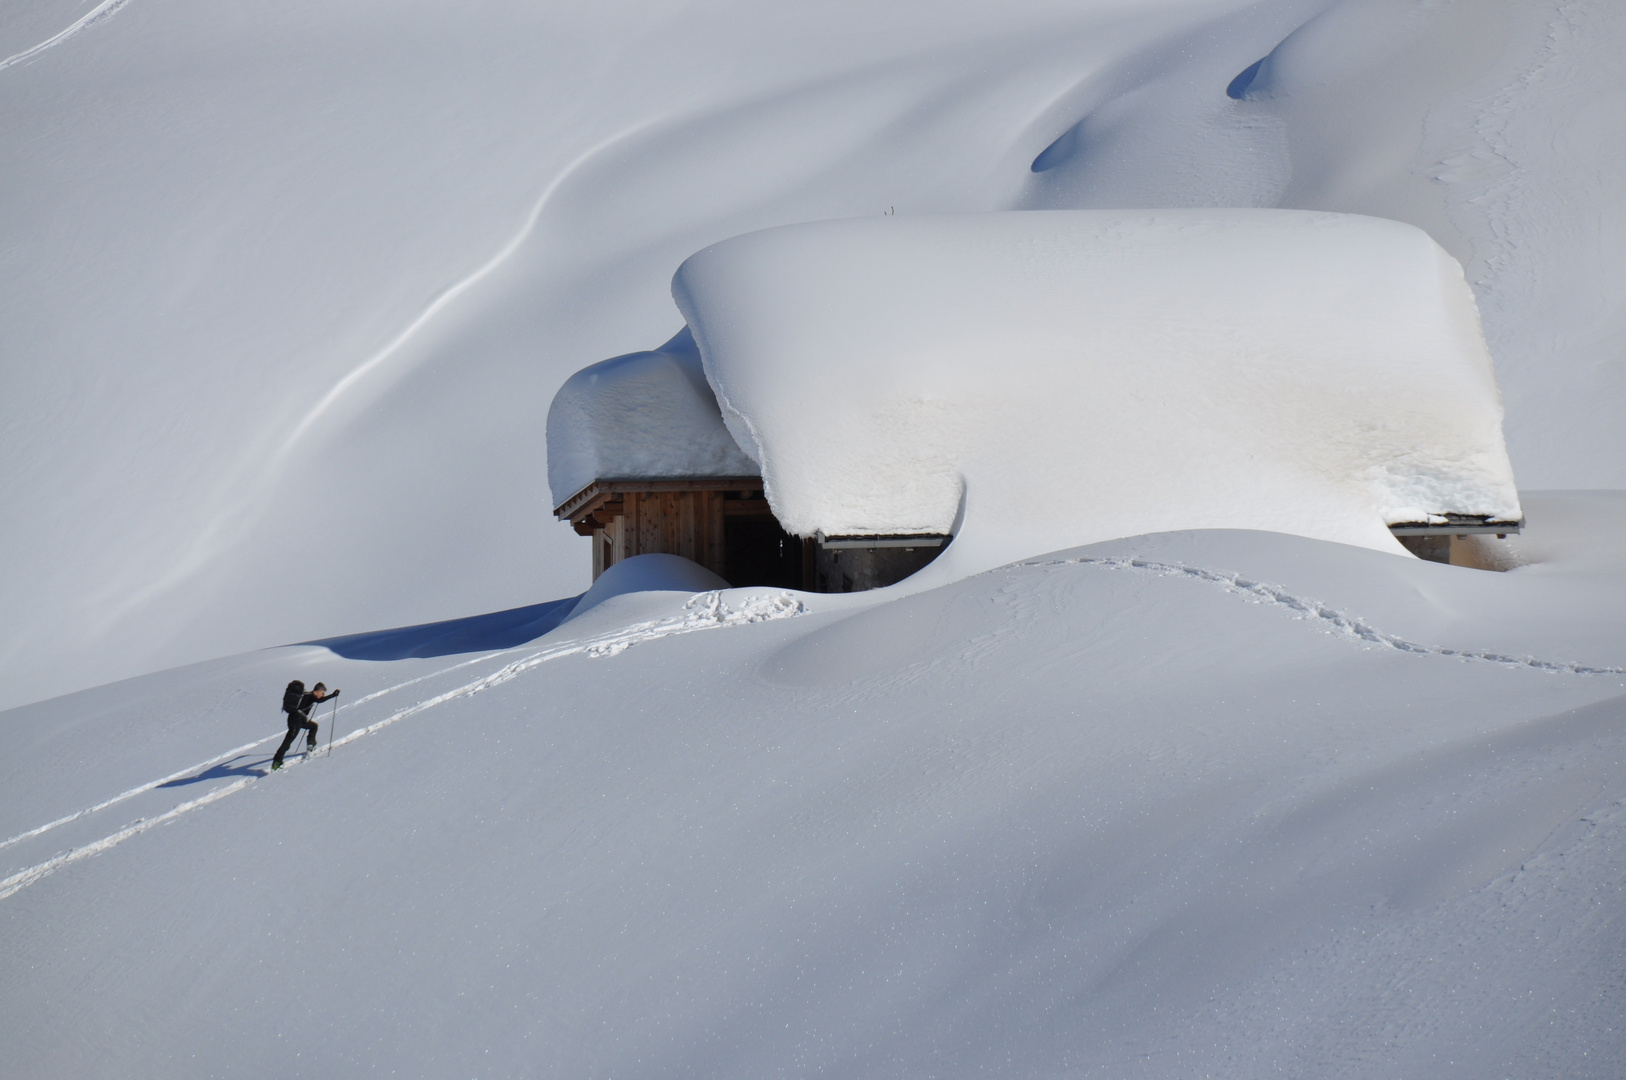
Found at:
<point>223,771</point>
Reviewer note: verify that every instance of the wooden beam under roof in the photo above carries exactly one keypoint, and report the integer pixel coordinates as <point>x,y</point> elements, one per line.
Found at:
<point>594,495</point>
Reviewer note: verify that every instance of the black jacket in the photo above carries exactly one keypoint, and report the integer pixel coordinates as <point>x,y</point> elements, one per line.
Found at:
<point>303,712</point>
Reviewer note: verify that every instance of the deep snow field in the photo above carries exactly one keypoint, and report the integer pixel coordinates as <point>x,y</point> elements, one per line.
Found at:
<point>285,293</point>
<point>286,289</point>
<point>1196,804</point>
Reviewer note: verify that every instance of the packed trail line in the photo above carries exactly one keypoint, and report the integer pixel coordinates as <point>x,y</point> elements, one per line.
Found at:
<point>192,770</point>
<point>706,611</point>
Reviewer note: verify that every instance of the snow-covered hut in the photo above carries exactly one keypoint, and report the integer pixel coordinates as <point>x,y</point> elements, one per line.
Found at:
<point>640,460</point>
<point>1034,381</point>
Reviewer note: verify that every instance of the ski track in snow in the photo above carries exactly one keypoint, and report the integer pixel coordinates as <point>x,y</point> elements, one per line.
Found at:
<point>706,611</point>
<point>1335,622</point>
<point>105,10</point>
<point>218,758</point>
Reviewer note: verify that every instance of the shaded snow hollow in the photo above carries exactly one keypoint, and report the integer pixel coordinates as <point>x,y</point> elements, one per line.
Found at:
<point>645,415</point>
<point>1066,377</point>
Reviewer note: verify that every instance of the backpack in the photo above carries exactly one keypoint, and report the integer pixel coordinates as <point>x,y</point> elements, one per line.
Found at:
<point>291,696</point>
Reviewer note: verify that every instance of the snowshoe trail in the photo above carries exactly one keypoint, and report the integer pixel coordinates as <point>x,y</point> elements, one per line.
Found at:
<point>707,611</point>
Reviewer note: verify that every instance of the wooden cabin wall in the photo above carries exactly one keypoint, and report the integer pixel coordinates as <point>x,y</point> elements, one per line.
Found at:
<point>686,523</point>
<point>732,532</point>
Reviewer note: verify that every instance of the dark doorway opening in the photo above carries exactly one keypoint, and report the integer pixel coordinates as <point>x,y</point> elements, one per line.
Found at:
<point>756,551</point>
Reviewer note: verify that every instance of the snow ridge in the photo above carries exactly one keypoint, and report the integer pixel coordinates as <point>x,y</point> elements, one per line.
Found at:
<point>1336,622</point>
<point>706,611</point>
<point>451,293</point>
<point>105,10</point>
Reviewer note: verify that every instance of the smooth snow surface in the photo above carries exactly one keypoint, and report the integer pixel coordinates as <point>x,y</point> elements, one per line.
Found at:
<point>645,415</point>
<point>286,289</point>
<point>1073,376</point>
<point>1211,803</point>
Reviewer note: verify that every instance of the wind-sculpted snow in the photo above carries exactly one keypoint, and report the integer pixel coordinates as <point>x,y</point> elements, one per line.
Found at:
<point>349,269</point>
<point>103,11</point>
<point>1336,622</point>
<point>707,611</point>
<point>402,271</point>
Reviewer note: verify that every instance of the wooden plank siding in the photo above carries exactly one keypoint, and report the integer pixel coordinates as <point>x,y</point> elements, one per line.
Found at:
<point>723,523</point>
<point>686,523</point>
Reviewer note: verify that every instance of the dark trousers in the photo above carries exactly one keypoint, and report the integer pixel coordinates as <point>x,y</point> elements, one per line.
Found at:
<point>296,724</point>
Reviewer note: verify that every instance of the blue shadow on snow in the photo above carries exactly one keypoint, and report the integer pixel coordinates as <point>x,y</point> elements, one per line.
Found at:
<point>1238,90</point>
<point>222,771</point>
<point>475,633</point>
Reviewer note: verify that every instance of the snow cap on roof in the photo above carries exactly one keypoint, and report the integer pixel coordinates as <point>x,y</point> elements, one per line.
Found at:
<point>1064,377</point>
<point>646,415</point>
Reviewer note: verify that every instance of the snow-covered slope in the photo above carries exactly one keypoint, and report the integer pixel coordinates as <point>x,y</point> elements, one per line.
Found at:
<point>1216,803</point>
<point>285,290</point>
<point>1316,374</point>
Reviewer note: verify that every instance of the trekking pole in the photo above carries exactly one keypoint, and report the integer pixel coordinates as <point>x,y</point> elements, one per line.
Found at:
<point>331,719</point>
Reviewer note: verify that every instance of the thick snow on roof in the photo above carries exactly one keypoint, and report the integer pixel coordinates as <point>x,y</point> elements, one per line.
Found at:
<point>644,415</point>
<point>1074,376</point>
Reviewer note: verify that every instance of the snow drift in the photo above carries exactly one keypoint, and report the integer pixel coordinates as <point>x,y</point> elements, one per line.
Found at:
<point>648,415</point>
<point>1074,376</point>
<point>648,573</point>
<point>1209,804</point>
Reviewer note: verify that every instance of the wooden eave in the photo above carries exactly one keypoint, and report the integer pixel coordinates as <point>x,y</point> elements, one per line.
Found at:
<point>601,494</point>
<point>1457,525</point>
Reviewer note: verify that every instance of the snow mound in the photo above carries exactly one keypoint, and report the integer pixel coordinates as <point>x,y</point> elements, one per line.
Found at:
<point>645,415</point>
<point>1065,377</point>
<point>648,573</point>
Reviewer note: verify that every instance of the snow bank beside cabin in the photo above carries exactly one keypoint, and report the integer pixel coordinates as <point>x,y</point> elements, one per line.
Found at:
<point>1065,377</point>
<point>648,415</point>
<point>654,572</point>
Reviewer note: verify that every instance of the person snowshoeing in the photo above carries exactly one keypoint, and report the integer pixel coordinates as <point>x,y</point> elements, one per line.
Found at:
<point>296,702</point>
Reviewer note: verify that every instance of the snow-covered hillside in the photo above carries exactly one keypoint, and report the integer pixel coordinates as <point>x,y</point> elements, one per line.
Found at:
<point>1216,803</point>
<point>285,290</point>
<point>285,293</point>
